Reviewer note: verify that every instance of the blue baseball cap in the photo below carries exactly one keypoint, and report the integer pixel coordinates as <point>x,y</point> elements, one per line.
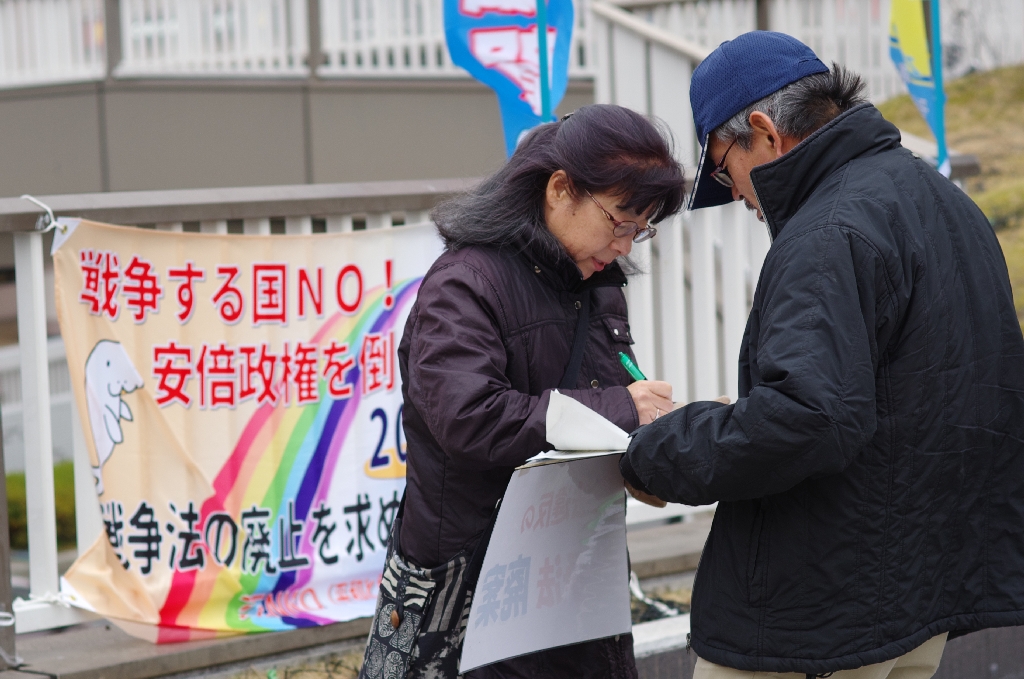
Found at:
<point>737,74</point>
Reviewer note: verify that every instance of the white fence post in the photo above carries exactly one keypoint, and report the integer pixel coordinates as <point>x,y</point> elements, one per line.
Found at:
<point>629,70</point>
<point>218,226</point>
<point>640,298</point>
<point>88,521</point>
<point>703,228</point>
<point>298,226</point>
<point>976,35</point>
<point>417,216</point>
<point>670,100</point>
<point>406,37</point>
<point>648,71</point>
<point>206,37</point>
<point>53,41</point>
<point>759,244</point>
<point>35,400</point>
<point>258,227</point>
<point>735,310</point>
<point>672,308</point>
<point>379,220</point>
<point>339,224</point>
<point>44,41</point>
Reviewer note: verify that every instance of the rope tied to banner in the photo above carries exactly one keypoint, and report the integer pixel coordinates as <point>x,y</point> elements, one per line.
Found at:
<point>45,222</point>
<point>59,599</point>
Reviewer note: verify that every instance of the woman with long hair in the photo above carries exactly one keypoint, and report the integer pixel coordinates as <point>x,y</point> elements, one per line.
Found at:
<point>531,270</point>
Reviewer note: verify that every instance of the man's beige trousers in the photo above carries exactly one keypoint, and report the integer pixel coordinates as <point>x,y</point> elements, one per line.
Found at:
<point>920,663</point>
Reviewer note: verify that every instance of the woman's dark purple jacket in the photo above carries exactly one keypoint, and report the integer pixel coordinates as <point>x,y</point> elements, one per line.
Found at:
<point>487,340</point>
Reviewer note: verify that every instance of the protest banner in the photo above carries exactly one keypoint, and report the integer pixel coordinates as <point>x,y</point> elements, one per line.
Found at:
<point>242,407</point>
<point>498,43</point>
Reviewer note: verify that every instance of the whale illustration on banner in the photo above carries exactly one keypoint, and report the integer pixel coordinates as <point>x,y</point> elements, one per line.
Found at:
<point>109,374</point>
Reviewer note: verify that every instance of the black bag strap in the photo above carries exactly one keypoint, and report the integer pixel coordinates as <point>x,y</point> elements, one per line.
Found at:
<point>476,562</point>
<point>579,343</point>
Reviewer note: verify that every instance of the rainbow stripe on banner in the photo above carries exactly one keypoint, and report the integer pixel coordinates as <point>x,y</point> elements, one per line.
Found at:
<point>284,453</point>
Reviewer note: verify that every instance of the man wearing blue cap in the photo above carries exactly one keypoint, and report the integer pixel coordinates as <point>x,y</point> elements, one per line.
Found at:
<point>870,478</point>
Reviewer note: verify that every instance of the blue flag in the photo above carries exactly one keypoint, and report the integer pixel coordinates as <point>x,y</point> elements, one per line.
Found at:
<point>915,46</point>
<point>497,41</point>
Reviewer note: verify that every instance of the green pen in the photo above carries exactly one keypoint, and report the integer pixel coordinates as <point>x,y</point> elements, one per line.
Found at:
<point>630,367</point>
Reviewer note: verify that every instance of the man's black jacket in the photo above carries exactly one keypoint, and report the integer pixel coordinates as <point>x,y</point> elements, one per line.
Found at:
<point>870,478</point>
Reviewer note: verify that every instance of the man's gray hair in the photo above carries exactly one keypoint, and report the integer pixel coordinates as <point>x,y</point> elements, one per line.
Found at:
<point>800,108</point>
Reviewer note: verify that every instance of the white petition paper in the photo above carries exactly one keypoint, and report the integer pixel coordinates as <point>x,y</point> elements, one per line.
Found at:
<point>556,571</point>
<point>576,432</point>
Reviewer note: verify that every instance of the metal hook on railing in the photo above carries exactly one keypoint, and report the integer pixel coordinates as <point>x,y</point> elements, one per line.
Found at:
<point>51,222</point>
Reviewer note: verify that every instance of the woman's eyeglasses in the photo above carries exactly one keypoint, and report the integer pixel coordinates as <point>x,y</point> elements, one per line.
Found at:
<point>623,229</point>
<point>720,174</point>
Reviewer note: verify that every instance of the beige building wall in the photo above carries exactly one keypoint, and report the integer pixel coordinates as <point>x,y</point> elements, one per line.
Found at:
<point>163,136</point>
<point>170,134</point>
<point>49,140</point>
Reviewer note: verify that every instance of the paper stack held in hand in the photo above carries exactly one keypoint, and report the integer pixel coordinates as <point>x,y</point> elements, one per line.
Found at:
<point>577,432</point>
<point>556,569</point>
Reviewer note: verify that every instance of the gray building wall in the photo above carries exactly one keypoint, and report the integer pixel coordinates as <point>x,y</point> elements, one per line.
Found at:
<point>124,135</point>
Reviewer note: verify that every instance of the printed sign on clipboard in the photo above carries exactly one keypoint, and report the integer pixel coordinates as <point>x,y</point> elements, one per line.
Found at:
<point>556,570</point>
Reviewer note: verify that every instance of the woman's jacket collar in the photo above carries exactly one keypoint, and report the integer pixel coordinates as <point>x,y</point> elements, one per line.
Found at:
<point>549,260</point>
<point>783,185</point>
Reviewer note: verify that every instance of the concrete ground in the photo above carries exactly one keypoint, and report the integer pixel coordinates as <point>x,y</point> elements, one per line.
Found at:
<point>666,556</point>
<point>102,651</point>
<point>668,548</point>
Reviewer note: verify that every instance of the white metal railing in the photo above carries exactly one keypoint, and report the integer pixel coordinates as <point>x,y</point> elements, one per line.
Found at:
<point>977,34</point>
<point>213,37</point>
<point>703,22</point>
<point>10,404</point>
<point>271,37</point>
<point>51,41</point>
<point>688,314</point>
<point>372,37</point>
<point>406,37</point>
<point>854,34</point>
<point>45,41</point>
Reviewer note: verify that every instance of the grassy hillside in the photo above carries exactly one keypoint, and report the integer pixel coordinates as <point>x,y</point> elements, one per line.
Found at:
<point>985,116</point>
<point>64,494</point>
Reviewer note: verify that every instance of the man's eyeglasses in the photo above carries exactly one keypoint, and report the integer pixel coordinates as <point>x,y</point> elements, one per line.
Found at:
<point>720,174</point>
<point>623,229</point>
